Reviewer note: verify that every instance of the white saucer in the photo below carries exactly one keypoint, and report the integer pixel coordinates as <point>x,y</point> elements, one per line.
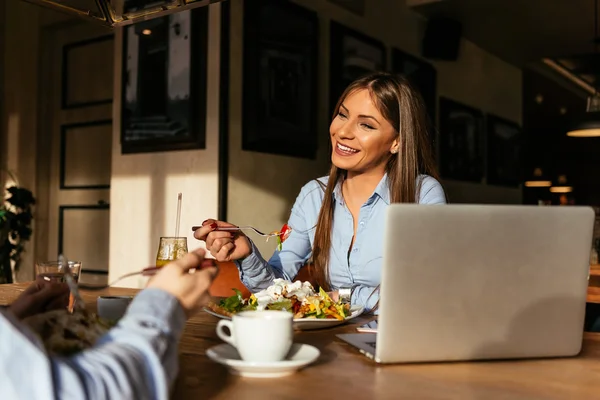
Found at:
<point>300,355</point>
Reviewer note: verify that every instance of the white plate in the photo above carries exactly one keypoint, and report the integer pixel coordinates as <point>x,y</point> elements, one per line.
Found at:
<point>300,356</point>
<point>307,324</point>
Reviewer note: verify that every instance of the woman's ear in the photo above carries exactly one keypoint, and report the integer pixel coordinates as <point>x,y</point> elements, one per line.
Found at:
<point>395,147</point>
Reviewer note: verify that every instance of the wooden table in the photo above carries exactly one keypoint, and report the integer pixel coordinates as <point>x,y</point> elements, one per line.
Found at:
<point>342,372</point>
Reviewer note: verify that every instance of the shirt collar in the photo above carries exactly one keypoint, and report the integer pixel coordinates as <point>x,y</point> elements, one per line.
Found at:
<point>382,191</point>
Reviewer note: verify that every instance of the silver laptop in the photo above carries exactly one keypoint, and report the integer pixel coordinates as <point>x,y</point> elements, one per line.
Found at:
<point>469,282</point>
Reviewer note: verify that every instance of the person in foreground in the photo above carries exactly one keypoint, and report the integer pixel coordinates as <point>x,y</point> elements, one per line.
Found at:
<point>137,359</point>
<point>381,155</point>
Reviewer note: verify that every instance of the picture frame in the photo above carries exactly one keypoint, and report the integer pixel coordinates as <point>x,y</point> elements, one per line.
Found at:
<point>504,151</point>
<point>88,172</point>
<point>163,105</point>
<point>280,79</point>
<point>423,77</point>
<point>96,214</point>
<point>71,54</point>
<point>353,54</point>
<point>461,142</point>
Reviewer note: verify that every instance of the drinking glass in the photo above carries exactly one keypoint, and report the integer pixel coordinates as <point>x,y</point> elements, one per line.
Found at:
<point>53,271</point>
<point>169,249</point>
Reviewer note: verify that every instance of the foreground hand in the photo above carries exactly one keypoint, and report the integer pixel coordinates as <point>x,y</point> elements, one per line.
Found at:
<point>224,246</point>
<point>39,297</point>
<point>191,289</point>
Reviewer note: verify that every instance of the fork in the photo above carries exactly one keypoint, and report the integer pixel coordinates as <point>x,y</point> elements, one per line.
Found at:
<point>240,228</point>
<point>78,303</point>
<point>145,272</point>
<point>149,271</point>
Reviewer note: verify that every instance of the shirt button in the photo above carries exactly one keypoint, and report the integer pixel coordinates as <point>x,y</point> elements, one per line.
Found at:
<point>355,250</point>
<point>362,223</point>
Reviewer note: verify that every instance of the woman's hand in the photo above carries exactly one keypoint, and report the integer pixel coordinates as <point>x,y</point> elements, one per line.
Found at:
<point>40,296</point>
<point>191,289</point>
<point>334,295</point>
<point>224,246</point>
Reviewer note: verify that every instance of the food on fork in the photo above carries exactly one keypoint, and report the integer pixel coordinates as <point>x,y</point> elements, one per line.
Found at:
<point>299,298</point>
<point>282,235</point>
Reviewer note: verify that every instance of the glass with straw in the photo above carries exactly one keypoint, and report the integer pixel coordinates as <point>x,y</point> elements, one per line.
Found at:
<point>172,247</point>
<point>54,271</point>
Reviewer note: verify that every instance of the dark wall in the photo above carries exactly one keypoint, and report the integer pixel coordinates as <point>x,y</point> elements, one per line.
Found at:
<point>549,146</point>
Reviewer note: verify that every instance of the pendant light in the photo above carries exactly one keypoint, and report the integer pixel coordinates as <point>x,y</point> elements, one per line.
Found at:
<point>537,179</point>
<point>589,125</point>
<point>561,185</point>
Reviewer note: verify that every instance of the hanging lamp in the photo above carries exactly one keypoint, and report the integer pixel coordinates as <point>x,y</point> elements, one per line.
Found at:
<point>561,185</point>
<point>589,124</point>
<point>537,179</point>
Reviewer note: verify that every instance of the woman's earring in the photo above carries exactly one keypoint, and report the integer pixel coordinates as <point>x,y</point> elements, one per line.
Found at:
<point>394,151</point>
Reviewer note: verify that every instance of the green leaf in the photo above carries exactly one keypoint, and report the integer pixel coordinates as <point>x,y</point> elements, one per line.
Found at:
<point>249,307</point>
<point>281,305</point>
<point>234,303</point>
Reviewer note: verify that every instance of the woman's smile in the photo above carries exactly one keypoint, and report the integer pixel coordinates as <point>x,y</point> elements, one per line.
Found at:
<point>344,150</point>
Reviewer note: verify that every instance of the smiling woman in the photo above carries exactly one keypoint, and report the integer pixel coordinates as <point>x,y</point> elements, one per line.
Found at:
<point>361,138</point>
<point>381,154</point>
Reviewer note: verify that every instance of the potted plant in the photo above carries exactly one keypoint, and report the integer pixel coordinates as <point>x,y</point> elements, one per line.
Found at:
<point>15,229</point>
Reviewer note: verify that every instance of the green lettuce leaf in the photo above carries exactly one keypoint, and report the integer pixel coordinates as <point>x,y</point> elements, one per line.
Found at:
<point>249,307</point>
<point>234,303</point>
<point>284,305</point>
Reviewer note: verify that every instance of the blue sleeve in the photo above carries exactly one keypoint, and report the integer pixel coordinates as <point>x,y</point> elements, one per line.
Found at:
<point>431,191</point>
<point>257,274</point>
<point>135,360</point>
<point>366,296</point>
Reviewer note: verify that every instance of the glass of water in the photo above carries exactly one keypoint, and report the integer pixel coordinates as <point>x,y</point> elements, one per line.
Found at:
<point>53,271</point>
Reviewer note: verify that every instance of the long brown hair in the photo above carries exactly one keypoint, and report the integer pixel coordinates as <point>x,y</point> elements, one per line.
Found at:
<point>403,107</point>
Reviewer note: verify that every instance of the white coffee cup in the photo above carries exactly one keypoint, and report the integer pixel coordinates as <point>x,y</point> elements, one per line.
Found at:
<point>112,308</point>
<point>259,336</point>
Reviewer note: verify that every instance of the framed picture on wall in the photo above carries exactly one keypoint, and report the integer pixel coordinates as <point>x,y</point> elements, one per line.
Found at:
<point>462,142</point>
<point>353,54</point>
<point>504,151</point>
<point>164,83</point>
<point>280,79</point>
<point>422,75</point>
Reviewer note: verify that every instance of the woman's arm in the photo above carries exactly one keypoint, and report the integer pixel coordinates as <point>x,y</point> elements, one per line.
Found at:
<point>136,360</point>
<point>258,274</point>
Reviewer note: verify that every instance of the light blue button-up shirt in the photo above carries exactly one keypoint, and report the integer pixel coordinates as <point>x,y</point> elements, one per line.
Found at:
<point>359,269</point>
<point>135,360</point>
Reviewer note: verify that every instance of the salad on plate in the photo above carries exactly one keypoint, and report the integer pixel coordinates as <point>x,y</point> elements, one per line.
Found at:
<point>299,298</point>
<point>65,334</point>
